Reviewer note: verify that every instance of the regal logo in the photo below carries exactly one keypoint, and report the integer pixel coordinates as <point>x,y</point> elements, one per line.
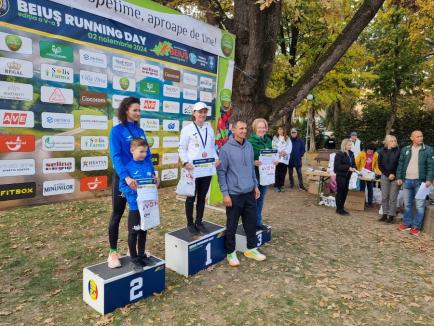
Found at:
<point>92,289</point>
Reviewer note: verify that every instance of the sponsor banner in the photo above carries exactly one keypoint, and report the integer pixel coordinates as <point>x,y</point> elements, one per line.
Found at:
<point>98,122</point>
<point>93,59</point>
<point>94,99</point>
<point>172,74</point>
<point>57,95</point>
<point>147,86</point>
<point>123,65</point>
<point>171,107</point>
<point>58,187</point>
<point>148,104</point>
<point>57,120</point>
<point>17,191</point>
<point>16,91</point>
<point>56,51</point>
<point>57,73</point>
<point>187,108</point>
<point>171,125</point>
<point>93,79</point>
<point>206,82</point>
<point>99,182</point>
<point>156,159</point>
<point>170,142</point>
<point>12,168</point>
<point>150,124</point>
<point>155,141</point>
<point>94,163</point>
<point>16,67</point>
<point>17,143</point>
<point>116,101</point>
<point>124,84</point>
<point>58,143</point>
<point>58,165</point>
<point>16,119</point>
<point>15,43</point>
<point>94,143</point>
<point>171,91</point>
<point>190,79</point>
<point>189,94</point>
<point>206,97</point>
<point>148,70</point>
<point>169,174</point>
<point>170,158</point>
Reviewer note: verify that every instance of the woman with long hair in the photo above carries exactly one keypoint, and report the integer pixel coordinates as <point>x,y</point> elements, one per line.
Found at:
<point>120,153</point>
<point>344,166</point>
<point>283,144</point>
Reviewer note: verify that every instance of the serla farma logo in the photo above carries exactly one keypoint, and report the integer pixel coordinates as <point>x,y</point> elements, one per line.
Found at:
<point>4,7</point>
<point>92,289</point>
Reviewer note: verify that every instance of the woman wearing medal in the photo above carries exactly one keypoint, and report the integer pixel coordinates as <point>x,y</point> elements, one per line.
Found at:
<point>120,139</point>
<point>197,141</point>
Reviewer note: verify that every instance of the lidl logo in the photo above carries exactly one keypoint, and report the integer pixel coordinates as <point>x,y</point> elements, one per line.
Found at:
<point>92,289</point>
<point>4,7</point>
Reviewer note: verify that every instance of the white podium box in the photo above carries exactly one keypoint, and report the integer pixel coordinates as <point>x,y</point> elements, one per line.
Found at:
<point>262,237</point>
<point>188,255</point>
<point>105,289</point>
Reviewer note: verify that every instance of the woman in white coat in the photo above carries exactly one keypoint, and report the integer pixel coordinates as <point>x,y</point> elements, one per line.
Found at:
<point>283,144</point>
<point>197,141</point>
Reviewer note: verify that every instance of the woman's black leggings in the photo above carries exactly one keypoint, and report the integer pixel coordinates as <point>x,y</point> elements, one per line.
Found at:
<point>118,207</point>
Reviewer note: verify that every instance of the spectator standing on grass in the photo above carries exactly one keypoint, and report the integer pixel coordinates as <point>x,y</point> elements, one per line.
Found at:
<point>344,166</point>
<point>298,150</point>
<point>415,165</point>
<point>356,144</point>
<point>388,158</point>
<point>368,160</point>
<point>283,144</point>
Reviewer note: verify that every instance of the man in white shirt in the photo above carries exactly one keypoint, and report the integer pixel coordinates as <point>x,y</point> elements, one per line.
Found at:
<point>355,147</point>
<point>197,141</point>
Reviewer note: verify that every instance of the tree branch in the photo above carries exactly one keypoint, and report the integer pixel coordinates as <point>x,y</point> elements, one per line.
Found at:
<point>216,15</point>
<point>316,72</point>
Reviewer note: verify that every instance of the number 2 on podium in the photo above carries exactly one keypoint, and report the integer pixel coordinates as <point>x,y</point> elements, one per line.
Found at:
<point>208,254</point>
<point>135,285</point>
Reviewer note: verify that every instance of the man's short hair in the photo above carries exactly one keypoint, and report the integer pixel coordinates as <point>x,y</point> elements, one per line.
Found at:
<point>235,124</point>
<point>138,142</point>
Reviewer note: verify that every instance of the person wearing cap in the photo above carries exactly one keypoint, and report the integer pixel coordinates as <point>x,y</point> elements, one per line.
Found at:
<point>197,141</point>
<point>298,150</point>
<point>356,144</point>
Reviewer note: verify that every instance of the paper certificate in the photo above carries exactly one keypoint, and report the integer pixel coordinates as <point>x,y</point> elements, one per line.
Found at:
<point>268,156</point>
<point>423,191</point>
<point>146,189</point>
<point>149,214</point>
<point>267,170</point>
<point>204,167</point>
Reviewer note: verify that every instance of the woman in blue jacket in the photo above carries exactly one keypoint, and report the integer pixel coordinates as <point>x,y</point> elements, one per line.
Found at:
<point>120,139</point>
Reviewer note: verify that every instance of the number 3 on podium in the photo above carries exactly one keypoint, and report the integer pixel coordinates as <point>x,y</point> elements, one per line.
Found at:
<point>208,254</point>
<point>259,240</point>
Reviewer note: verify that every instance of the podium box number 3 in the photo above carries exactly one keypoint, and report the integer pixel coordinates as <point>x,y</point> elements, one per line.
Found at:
<point>187,255</point>
<point>106,289</point>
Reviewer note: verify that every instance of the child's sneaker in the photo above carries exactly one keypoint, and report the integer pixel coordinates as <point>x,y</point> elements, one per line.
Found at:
<point>113,260</point>
<point>414,231</point>
<point>403,227</point>
<point>254,254</point>
<point>233,259</point>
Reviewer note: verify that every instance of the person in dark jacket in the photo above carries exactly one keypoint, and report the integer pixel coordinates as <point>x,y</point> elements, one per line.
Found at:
<point>297,153</point>
<point>344,166</point>
<point>388,158</point>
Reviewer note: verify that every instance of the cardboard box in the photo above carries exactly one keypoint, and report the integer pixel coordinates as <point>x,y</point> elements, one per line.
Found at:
<point>428,221</point>
<point>355,200</point>
<point>313,187</point>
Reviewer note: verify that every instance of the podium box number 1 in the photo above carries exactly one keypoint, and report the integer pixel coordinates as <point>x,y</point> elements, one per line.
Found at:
<point>188,255</point>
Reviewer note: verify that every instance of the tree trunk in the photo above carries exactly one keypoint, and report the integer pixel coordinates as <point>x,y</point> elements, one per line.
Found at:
<point>392,118</point>
<point>312,129</point>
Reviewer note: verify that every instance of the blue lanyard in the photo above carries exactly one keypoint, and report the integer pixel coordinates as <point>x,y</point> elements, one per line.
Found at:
<point>200,135</point>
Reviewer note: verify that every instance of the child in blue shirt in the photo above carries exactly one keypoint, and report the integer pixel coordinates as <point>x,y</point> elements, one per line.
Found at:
<point>138,168</point>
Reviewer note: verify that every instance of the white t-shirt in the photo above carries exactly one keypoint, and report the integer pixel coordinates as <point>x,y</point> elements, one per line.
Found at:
<point>191,145</point>
<point>281,144</point>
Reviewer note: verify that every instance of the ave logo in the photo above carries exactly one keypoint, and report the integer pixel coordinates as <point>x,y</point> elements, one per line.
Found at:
<point>94,183</point>
<point>12,118</point>
<point>17,143</point>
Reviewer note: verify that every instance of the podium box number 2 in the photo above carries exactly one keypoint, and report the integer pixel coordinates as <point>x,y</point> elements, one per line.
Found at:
<point>106,289</point>
<point>187,255</point>
<point>262,237</point>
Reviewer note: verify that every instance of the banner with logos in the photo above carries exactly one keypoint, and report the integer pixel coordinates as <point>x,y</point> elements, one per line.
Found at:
<point>64,71</point>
